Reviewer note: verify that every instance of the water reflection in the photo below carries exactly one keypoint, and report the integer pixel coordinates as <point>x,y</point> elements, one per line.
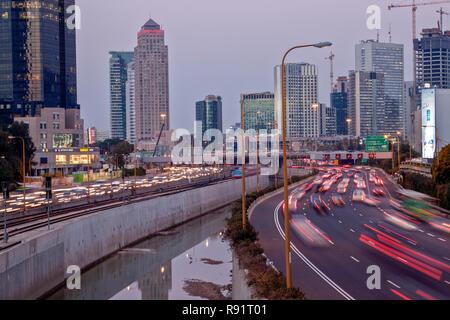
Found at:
<point>159,268</point>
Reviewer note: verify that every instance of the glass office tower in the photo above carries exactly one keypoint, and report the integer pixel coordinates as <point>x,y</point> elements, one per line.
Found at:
<point>37,57</point>
<point>386,58</point>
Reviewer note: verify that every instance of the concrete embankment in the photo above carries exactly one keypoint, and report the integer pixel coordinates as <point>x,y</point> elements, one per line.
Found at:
<point>39,263</point>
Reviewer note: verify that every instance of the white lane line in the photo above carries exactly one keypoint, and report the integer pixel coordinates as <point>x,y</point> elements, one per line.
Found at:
<point>398,287</point>
<point>446,258</point>
<point>447,282</point>
<point>354,258</point>
<point>421,230</point>
<point>340,221</point>
<point>431,235</point>
<point>413,243</point>
<point>360,215</point>
<point>352,230</point>
<point>442,239</point>
<point>307,262</point>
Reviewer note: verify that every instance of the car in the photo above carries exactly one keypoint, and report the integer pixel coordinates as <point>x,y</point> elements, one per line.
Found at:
<point>318,204</point>
<point>337,200</point>
<point>378,192</point>
<point>370,201</point>
<point>358,195</point>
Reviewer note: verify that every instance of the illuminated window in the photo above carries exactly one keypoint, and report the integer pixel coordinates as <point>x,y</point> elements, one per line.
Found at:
<point>61,159</point>
<point>80,159</point>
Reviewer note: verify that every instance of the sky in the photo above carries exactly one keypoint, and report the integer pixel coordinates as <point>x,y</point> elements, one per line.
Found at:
<point>231,47</point>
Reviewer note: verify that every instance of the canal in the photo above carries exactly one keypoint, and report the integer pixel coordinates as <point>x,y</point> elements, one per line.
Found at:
<point>192,261</point>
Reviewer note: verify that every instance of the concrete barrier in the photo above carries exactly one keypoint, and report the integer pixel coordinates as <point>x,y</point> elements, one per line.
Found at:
<point>38,264</point>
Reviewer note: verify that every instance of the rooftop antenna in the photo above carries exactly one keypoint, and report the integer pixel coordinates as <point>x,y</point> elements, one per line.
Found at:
<point>378,35</point>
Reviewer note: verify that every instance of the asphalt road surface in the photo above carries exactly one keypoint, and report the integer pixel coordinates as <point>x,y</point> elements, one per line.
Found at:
<point>332,250</point>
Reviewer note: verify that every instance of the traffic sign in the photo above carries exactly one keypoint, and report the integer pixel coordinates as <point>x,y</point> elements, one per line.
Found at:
<point>377,144</point>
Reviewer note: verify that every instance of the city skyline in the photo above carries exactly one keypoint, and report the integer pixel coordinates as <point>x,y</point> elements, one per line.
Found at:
<point>194,55</point>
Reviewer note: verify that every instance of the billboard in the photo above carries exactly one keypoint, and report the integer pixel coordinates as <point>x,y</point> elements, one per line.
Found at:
<point>428,123</point>
<point>377,144</point>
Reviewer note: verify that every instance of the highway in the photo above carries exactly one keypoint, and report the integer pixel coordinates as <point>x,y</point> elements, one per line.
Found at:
<point>332,249</point>
<point>35,199</point>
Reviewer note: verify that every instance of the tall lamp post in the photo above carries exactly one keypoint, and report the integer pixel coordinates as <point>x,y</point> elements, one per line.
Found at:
<point>398,150</point>
<point>285,173</point>
<point>23,170</point>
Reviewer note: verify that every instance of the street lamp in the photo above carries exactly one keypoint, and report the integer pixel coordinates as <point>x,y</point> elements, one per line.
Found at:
<point>23,168</point>
<point>398,150</point>
<point>285,174</point>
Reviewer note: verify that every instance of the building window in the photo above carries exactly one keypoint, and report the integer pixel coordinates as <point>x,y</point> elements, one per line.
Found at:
<point>43,136</point>
<point>56,125</point>
<point>61,159</point>
<point>55,116</point>
<point>44,145</point>
<point>43,125</point>
<point>44,161</point>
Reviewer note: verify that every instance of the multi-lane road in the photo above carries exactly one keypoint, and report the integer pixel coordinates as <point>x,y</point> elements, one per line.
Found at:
<point>36,199</point>
<point>336,252</point>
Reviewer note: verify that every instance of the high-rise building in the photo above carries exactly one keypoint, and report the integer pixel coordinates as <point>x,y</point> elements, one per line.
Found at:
<point>366,105</point>
<point>130,104</point>
<point>37,58</point>
<point>301,91</point>
<point>339,103</point>
<point>209,113</point>
<point>327,120</point>
<point>151,82</point>
<point>386,58</point>
<point>259,111</point>
<point>433,58</point>
<point>118,76</point>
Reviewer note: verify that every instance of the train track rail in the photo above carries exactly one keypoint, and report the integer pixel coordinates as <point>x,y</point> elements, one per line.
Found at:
<point>19,225</point>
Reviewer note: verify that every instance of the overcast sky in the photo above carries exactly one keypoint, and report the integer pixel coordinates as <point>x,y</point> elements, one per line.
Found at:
<point>229,47</point>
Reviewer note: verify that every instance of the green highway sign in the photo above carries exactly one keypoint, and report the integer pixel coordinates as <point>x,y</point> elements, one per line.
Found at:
<point>364,160</point>
<point>377,144</point>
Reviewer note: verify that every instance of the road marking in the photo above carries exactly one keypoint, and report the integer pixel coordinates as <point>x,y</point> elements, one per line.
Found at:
<point>442,239</point>
<point>447,282</point>
<point>431,235</point>
<point>307,262</point>
<point>421,230</point>
<point>413,243</point>
<point>398,287</point>
<point>360,215</point>
<point>352,230</point>
<point>354,258</point>
<point>340,221</point>
<point>370,221</point>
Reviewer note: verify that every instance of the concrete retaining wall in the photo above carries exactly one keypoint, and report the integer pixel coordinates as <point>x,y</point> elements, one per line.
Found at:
<point>37,265</point>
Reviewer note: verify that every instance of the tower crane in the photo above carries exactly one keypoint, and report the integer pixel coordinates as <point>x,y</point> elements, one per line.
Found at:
<point>441,13</point>
<point>331,58</point>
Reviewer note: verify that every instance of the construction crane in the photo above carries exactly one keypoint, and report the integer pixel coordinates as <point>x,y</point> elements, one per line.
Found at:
<point>441,13</point>
<point>331,58</point>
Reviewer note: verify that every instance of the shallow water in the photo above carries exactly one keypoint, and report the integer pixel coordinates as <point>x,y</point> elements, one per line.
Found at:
<point>158,268</point>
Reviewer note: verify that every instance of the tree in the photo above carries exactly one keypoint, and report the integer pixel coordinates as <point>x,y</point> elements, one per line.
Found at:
<point>441,171</point>
<point>119,151</point>
<point>11,152</point>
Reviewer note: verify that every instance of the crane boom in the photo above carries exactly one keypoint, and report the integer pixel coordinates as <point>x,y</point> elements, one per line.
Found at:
<point>331,58</point>
<point>416,4</point>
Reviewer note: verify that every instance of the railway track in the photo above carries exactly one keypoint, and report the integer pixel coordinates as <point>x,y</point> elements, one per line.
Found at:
<point>22,226</point>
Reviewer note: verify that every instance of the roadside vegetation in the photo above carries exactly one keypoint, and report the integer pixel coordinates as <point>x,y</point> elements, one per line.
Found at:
<point>266,282</point>
<point>439,185</point>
